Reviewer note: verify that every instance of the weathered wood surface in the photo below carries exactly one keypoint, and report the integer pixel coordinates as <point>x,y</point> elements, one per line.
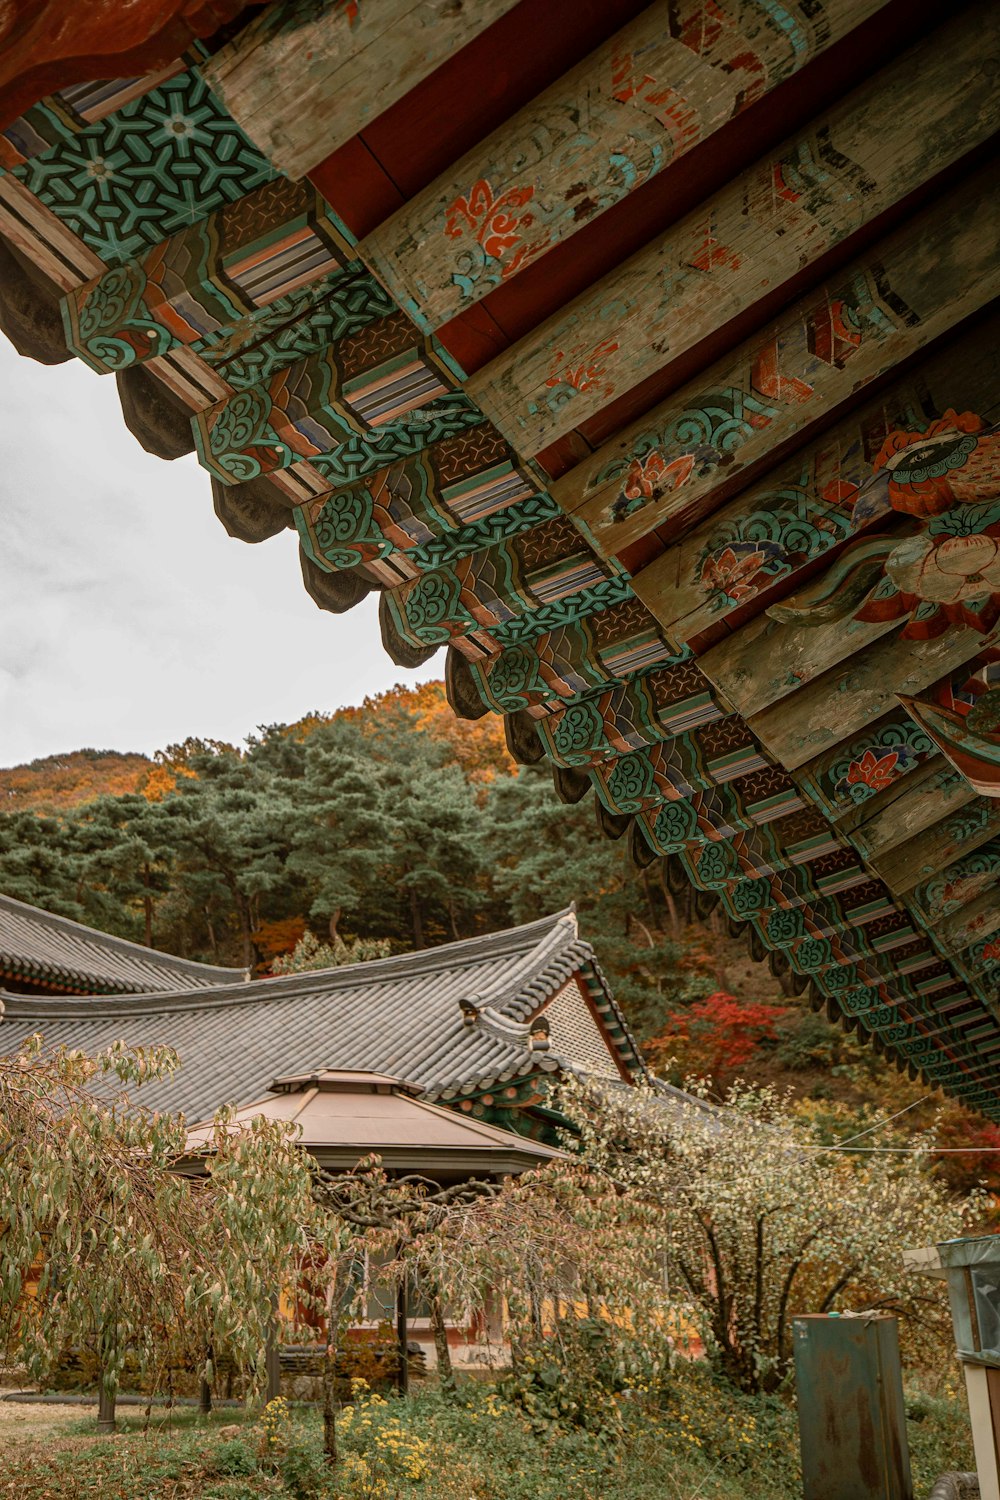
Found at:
<point>803,507</point>
<point>301,85</point>
<point>43,238</point>
<point>762,228</point>
<point>845,698</point>
<point>666,470</point>
<point>961,831</point>
<point>30,308</point>
<point>763,662</point>
<point>656,89</point>
<point>918,801</point>
<point>979,919</point>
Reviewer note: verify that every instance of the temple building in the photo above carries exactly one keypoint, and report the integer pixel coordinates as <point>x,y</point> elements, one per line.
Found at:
<point>481,1026</point>
<point>440,1062</point>
<point>644,360</point>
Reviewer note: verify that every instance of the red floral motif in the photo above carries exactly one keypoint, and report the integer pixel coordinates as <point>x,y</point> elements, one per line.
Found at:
<point>732,575</point>
<point>872,770</point>
<point>931,496</point>
<point>583,372</point>
<point>961,889</point>
<point>652,475</point>
<point>497,224</point>
<point>992,949</point>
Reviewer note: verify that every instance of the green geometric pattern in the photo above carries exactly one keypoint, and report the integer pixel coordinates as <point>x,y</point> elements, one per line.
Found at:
<point>162,162</point>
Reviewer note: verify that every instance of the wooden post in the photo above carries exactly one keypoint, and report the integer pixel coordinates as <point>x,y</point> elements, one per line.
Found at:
<point>982,1385</point>
<point>402,1322</point>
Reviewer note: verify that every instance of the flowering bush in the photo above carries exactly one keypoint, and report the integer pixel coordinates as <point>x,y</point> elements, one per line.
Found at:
<point>753,1218</point>
<point>379,1452</point>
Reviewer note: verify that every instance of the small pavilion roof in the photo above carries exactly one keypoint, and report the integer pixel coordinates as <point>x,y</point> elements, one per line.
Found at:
<point>344,1115</point>
<point>57,955</point>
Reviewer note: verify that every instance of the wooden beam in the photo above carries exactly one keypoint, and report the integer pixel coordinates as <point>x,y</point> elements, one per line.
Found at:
<point>656,89</point>
<point>921,800</point>
<point>44,239</point>
<point>960,832</point>
<point>803,507</point>
<point>978,919</point>
<point>763,662</point>
<point>858,686</point>
<point>760,230</point>
<point>301,84</point>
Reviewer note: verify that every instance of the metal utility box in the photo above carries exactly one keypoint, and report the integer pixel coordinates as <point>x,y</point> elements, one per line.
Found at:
<point>972,1268</point>
<point>852,1423</point>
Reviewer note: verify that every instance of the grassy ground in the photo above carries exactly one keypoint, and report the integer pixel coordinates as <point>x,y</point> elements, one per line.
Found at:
<point>704,1442</point>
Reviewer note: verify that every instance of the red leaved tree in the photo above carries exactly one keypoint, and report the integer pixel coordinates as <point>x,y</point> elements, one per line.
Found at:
<point>712,1037</point>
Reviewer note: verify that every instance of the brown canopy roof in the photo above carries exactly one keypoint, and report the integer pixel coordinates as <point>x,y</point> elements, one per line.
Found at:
<point>347,1115</point>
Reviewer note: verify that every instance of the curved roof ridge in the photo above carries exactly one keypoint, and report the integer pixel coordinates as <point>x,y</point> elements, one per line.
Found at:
<point>536,940</point>
<point>41,923</point>
<point>539,971</point>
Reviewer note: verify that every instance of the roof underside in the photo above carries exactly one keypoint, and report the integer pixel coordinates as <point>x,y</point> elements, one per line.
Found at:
<point>645,361</point>
<point>347,1122</point>
<point>54,955</point>
<point>396,1016</point>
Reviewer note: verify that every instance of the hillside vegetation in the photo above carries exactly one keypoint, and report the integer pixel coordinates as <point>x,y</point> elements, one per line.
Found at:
<point>63,781</point>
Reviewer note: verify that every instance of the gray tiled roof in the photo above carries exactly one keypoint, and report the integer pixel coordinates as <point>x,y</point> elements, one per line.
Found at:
<point>399,1016</point>
<point>38,947</point>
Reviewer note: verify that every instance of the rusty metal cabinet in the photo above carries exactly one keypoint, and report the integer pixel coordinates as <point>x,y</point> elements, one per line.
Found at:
<point>852,1422</point>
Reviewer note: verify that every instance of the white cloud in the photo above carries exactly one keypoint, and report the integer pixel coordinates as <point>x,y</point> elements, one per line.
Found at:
<point>128,618</point>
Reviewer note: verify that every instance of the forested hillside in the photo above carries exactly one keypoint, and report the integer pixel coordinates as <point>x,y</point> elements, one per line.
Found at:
<point>395,825</point>
<point>60,781</point>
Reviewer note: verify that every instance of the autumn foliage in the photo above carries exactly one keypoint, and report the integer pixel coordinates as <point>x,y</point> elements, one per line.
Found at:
<point>61,781</point>
<point>713,1036</point>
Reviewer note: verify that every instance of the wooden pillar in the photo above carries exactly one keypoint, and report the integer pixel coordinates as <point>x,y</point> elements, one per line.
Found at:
<point>982,1385</point>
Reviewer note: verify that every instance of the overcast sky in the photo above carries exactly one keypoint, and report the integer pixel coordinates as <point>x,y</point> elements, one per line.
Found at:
<point>128,618</point>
